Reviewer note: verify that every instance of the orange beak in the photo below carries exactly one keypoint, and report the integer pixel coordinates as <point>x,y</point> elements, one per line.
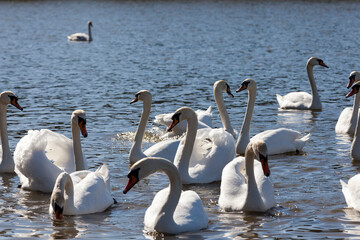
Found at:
<point>265,166</point>
<point>172,125</point>
<point>131,182</point>
<point>352,92</point>
<point>82,127</point>
<point>16,104</point>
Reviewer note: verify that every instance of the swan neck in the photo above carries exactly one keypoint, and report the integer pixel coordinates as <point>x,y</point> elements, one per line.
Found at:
<point>78,155</point>
<point>182,161</point>
<point>66,188</point>
<point>219,100</point>
<point>355,109</point>
<point>6,154</point>
<point>89,31</point>
<point>140,132</point>
<point>244,136</point>
<point>314,91</point>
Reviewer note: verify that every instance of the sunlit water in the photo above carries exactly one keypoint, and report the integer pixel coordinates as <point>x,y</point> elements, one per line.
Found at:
<point>177,50</point>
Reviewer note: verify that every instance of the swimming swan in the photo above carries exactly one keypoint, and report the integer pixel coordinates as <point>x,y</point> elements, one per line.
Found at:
<point>42,155</point>
<point>82,37</point>
<point>203,153</point>
<point>245,183</point>
<point>166,149</point>
<point>278,141</point>
<point>348,118</point>
<point>172,211</point>
<point>304,100</point>
<point>7,161</point>
<point>81,192</point>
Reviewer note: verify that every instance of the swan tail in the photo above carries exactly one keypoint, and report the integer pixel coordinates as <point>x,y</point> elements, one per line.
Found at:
<point>104,172</point>
<point>345,190</point>
<point>279,99</point>
<point>300,143</point>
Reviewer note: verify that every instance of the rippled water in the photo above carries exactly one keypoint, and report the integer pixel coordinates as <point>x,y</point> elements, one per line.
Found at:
<point>177,50</point>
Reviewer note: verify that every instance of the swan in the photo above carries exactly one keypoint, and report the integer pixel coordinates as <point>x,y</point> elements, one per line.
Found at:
<point>7,163</point>
<point>355,146</point>
<point>82,37</point>
<point>41,155</point>
<point>347,120</point>
<point>203,153</point>
<point>81,192</point>
<point>251,190</point>
<point>278,141</point>
<point>166,149</point>
<point>204,117</point>
<point>351,191</point>
<point>172,211</point>
<point>304,100</point>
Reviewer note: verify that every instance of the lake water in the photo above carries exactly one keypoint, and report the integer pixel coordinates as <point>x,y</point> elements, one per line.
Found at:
<point>177,50</point>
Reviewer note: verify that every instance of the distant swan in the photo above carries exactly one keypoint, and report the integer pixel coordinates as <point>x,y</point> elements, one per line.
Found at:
<point>7,161</point>
<point>355,146</point>
<point>204,117</point>
<point>81,192</point>
<point>166,149</point>
<point>203,153</point>
<point>172,211</point>
<point>42,155</point>
<point>304,100</point>
<point>280,140</point>
<point>347,120</point>
<point>245,187</point>
<point>82,37</point>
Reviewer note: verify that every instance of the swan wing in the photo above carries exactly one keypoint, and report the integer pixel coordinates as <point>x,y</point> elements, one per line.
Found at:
<point>78,37</point>
<point>295,100</point>
<point>351,192</point>
<point>345,125</point>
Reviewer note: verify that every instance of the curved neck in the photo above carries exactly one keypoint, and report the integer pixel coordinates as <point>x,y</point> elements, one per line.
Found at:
<point>7,164</point>
<point>89,31</point>
<point>182,159</point>
<point>244,136</point>
<point>66,189</point>
<point>219,100</point>
<point>253,198</point>
<point>78,155</point>
<point>135,151</point>
<point>166,213</point>
<point>315,103</point>
<point>355,110</point>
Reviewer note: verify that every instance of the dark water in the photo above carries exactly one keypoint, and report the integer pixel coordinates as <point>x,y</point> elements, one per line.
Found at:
<point>177,50</point>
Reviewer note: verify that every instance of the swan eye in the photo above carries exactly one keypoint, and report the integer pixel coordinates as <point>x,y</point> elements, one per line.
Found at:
<point>176,116</point>
<point>134,172</point>
<point>82,121</point>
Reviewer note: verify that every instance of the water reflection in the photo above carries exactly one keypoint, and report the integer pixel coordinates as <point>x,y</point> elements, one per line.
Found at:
<point>288,117</point>
<point>64,229</point>
<point>351,222</point>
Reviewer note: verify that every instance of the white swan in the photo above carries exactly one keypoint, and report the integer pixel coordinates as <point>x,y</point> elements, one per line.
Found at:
<point>166,149</point>
<point>347,120</point>
<point>304,100</point>
<point>204,117</point>
<point>82,37</point>
<point>172,211</point>
<point>278,141</point>
<point>81,192</point>
<point>42,155</point>
<point>7,162</point>
<point>245,183</point>
<point>351,191</point>
<point>203,153</point>
<point>355,146</point>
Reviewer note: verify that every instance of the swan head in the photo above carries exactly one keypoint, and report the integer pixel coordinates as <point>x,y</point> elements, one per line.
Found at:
<point>57,199</point>
<point>354,89</point>
<point>316,61</point>
<point>146,167</point>
<point>248,84</point>
<point>354,77</point>
<point>259,149</point>
<point>143,95</point>
<point>90,23</point>
<point>181,114</point>
<point>78,118</point>
<point>223,86</point>
<point>9,97</point>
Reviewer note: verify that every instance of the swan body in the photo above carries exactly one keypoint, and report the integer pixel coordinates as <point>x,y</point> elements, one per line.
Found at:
<point>172,211</point>
<point>355,146</point>
<point>347,120</point>
<point>304,100</point>
<point>81,192</point>
<point>351,191</point>
<point>7,162</point>
<point>42,155</point>
<point>203,153</point>
<point>166,149</point>
<point>82,37</point>
<point>245,183</point>
<point>281,140</point>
